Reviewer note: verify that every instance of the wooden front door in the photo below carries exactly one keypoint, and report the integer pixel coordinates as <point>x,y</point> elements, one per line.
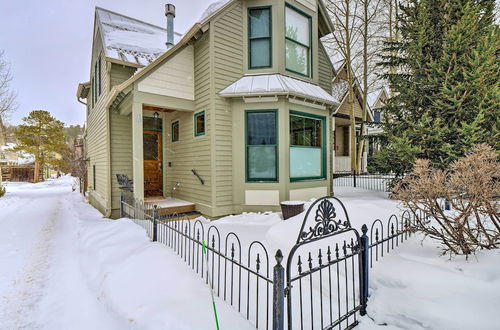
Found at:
<point>153,169</point>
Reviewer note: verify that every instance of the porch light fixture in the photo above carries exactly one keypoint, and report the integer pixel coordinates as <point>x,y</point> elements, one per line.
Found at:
<point>156,115</point>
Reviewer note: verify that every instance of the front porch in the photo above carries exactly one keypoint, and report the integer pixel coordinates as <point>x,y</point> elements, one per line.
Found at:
<point>342,152</point>
<point>145,147</point>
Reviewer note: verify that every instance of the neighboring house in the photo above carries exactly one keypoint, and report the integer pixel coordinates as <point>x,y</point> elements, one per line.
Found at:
<point>234,114</point>
<point>342,127</point>
<point>7,156</point>
<point>376,101</point>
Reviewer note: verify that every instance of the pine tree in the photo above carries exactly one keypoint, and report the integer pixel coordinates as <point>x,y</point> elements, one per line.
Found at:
<point>445,78</point>
<point>42,136</point>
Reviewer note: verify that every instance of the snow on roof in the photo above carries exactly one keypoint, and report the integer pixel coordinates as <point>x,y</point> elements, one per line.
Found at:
<point>211,9</point>
<point>276,84</point>
<point>339,89</point>
<point>131,40</point>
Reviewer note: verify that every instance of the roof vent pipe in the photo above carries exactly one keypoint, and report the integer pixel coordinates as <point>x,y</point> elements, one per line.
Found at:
<point>170,13</point>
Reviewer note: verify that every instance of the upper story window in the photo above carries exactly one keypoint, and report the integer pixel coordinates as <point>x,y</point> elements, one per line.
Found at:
<point>298,41</point>
<point>259,37</point>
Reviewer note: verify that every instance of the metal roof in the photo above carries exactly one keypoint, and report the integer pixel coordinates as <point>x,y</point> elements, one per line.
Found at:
<point>277,84</point>
<point>131,40</point>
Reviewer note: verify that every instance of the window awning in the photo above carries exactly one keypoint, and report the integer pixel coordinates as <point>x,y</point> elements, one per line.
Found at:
<point>276,85</point>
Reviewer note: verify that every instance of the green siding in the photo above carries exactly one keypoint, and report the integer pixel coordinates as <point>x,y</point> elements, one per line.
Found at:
<point>228,67</point>
<point>121,153</point>
<point>192,152</point>
<point>325,69</point>
<point>96,139</point>
<point>120,73</point>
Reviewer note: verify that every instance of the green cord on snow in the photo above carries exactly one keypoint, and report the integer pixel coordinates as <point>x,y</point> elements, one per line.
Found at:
<point>204,245</point>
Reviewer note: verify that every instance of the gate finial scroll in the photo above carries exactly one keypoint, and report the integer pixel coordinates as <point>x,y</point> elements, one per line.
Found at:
<point>326,220</point>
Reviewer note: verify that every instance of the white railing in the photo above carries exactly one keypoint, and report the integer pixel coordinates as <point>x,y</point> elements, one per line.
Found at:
<point>342,163</point>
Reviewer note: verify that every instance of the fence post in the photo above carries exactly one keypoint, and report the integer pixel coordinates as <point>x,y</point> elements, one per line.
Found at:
<point>122,198</point>
<point>354,176</point>
<point>365,247</point>
<point>155,218</point>
<point>278,293</point>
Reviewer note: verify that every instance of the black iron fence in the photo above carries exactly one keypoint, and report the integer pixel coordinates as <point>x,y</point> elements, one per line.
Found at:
<point>384,238</point>
<point>369,181</point>
<point>324,281</point>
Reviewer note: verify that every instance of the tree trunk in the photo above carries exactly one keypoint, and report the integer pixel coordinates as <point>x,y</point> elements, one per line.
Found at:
<point>350,82</point>
<point>365,84</point>
<point>36,175</point>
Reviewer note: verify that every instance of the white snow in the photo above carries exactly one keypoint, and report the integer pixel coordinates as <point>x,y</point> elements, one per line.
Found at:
<point>64,266</point>
<point>414,288</point>
<point>132,40</point>
<point>211,9</point>
<point>169,202</point>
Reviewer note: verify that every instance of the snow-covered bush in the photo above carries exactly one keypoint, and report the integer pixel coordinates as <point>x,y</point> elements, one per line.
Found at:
<point>471,187</point>
<point>2,190</point>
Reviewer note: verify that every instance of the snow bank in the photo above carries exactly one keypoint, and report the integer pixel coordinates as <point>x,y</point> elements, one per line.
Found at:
<point>414,288</point>
<point>145,282</point>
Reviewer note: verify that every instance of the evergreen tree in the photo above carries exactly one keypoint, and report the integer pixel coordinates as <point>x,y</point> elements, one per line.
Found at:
<point>42,136</point>
<point>445,78</point>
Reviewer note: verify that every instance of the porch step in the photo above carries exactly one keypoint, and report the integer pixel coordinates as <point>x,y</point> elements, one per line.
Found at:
<point>180,216</point>
<point>172,208</point>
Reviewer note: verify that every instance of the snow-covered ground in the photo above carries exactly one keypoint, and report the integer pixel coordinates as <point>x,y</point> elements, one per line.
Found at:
<point>63,266</point>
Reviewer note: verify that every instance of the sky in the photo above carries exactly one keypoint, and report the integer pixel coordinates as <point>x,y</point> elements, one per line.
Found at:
<point>48,45</point>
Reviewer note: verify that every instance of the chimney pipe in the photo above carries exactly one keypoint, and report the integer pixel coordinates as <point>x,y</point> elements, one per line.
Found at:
<point>170,13</point>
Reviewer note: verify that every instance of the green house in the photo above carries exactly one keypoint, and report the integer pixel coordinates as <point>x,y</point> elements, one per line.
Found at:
<point>234,115</point>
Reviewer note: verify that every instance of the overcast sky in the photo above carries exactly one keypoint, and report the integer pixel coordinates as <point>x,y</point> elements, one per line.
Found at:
<point>48,44</point>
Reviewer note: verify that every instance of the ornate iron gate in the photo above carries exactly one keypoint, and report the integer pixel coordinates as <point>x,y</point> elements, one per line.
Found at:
<point>325,283</point>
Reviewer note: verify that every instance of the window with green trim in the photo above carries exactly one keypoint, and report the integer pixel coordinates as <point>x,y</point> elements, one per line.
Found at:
<point>261,145</point>
<point>98,64</point>
<point>93,92</point>
<point>175,131</point>
<point>199,123</point>
<point>259,37</point>
<point>297,41</point>
<point>307,146</point>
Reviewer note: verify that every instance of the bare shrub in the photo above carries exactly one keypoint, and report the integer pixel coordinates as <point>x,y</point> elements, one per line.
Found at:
<point>471,187</point>
<point>2,190</point>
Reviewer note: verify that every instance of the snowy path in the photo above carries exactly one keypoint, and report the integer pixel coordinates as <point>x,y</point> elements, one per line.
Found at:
<point>41,286</point>
<point>63,266</point>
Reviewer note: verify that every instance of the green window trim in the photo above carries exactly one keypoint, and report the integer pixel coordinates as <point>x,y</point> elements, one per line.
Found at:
<point>99,63</point>
<point>276,146</point>
<point>269,38</point>
<point>145,126</point>
<point>324,142</point>
<point>93,177</point>
<point>93,93</point>
<point>309,47</point>
<point>196,115</point>
<point>175,124</point>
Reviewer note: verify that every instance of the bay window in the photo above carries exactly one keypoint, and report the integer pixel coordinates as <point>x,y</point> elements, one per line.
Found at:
<point>307,146</point>
<point>297,41</point>
<point>261,145</point>
<point>259,37</point>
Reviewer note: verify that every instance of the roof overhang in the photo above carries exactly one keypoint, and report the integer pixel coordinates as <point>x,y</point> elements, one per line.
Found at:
<point>116,90</point>
<point>325,24</point>
<point>272,85</point>
<point>82,91</point>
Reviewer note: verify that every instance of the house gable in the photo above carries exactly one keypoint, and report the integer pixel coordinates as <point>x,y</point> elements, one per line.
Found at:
<point>174,77</point>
